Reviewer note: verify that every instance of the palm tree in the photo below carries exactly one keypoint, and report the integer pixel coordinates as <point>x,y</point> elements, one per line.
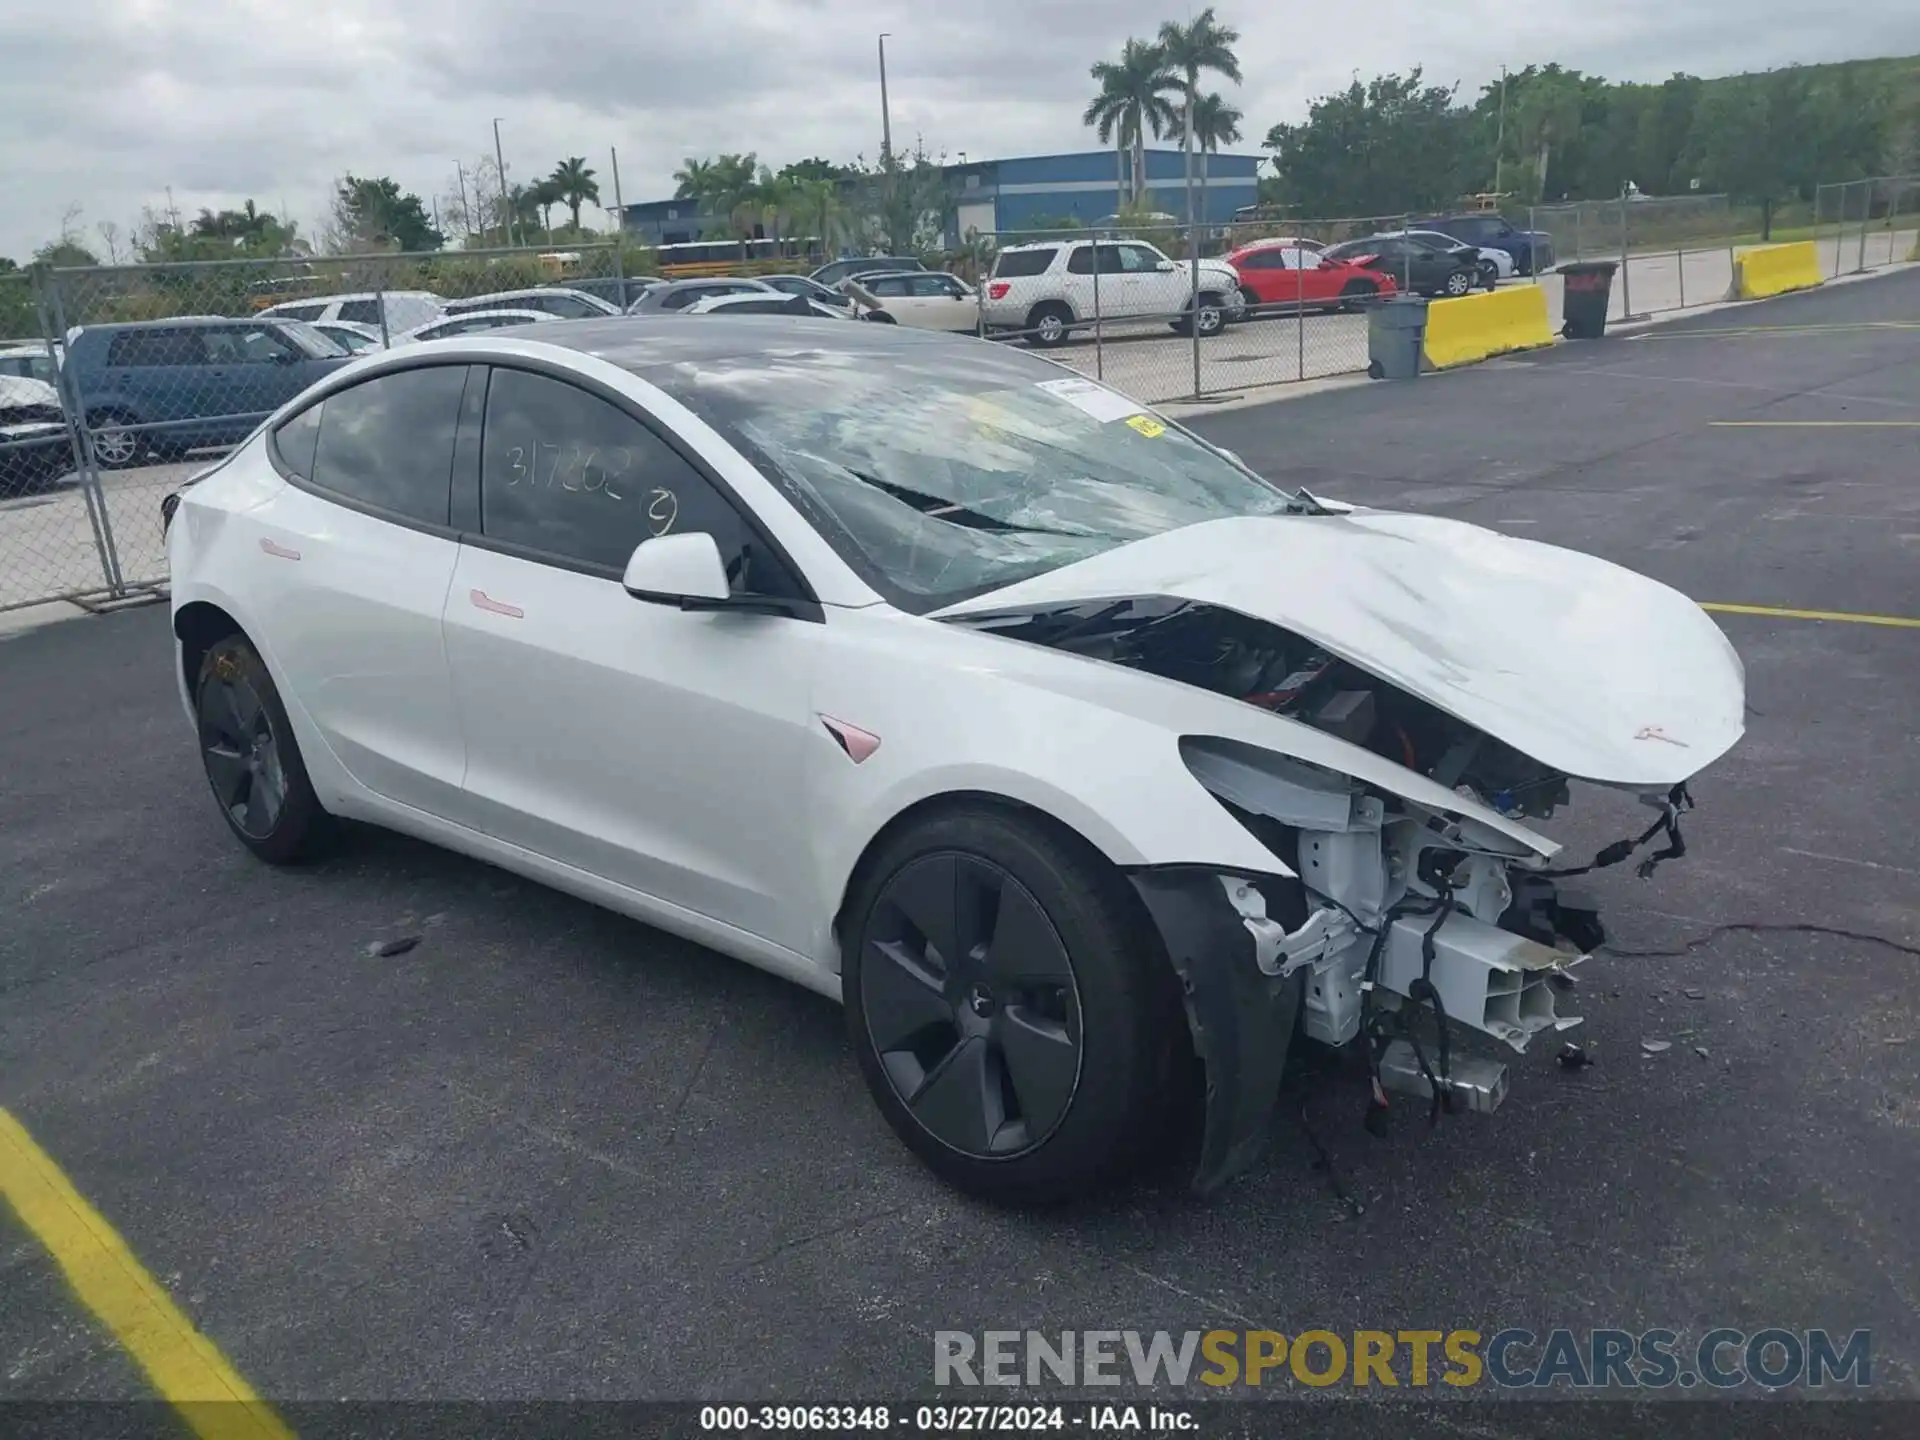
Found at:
<point>543,195</point>
<point>1215,123</point>
<point>1132,100</point>
<point>1202,44</point>
<point>818,207</point>
<point>574,185</point>
<point>1548,114</point>
<point>774,195</point>
<point>692,179</point>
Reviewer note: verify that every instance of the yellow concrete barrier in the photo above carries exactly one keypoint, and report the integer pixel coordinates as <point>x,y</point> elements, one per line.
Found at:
<point>1762,270</point>
<point>1475,327</point>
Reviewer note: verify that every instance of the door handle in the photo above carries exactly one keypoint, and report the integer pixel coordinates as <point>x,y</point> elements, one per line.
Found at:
<point>483,601</point>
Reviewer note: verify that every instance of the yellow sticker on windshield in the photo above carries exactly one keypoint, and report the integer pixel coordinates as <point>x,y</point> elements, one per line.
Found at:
<point>1148,426</point>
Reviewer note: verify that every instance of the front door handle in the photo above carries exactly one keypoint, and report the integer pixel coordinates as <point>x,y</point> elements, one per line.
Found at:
<point>484,601</point>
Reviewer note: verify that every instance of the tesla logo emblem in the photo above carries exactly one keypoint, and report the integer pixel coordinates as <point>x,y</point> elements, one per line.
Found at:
<point>1654,732</point>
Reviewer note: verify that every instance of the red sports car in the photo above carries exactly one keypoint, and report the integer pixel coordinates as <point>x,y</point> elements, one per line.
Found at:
<point>1275,276</point>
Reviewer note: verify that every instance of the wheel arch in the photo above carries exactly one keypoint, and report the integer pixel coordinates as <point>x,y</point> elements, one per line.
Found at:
<point>940,803</point>
<point>199,625</point>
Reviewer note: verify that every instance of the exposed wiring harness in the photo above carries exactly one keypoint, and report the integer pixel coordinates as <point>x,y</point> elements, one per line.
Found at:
<point>1679,800</point>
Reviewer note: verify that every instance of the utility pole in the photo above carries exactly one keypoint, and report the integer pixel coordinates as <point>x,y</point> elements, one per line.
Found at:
<point>1500,145</point>
<point>886,119</point>
<point>466,221</point>
<point>619,210</point>
<point>506,203</point>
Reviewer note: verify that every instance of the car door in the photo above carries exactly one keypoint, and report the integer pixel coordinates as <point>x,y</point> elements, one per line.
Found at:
<point>658,748</point>
<point>896,297</point>
<point>354,558</point>
<point>1152,289</point>
<point>252,370</point>
<point>944,303</point>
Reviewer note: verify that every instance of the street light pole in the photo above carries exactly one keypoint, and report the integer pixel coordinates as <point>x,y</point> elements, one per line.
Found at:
<point>506,204</point>
<point>886,119</point>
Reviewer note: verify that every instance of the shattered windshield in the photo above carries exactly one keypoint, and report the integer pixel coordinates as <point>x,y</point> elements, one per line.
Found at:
<point>946,472</point>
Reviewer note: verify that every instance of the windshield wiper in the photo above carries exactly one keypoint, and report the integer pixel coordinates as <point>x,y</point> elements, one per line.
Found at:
<point>938,507</point>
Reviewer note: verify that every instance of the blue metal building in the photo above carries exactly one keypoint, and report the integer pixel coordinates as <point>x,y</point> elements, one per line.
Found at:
<point>995,196</point>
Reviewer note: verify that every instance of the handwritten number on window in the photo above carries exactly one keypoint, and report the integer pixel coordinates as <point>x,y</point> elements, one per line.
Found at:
<point>663,508</point>
<point>583,471</point>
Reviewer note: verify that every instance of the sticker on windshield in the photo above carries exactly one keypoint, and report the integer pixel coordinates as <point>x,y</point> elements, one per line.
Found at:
<point>1147,426</point>
<point>1101,403</point>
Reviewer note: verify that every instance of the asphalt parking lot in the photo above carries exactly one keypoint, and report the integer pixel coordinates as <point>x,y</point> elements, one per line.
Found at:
<point>547,1152</point>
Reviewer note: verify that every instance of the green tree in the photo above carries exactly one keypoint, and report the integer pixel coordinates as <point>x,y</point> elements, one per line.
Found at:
<point>1215,123</point>
<point>1387,147</point>
<point>819,211</point>
<point>693,179</point>
<point>65,254</point>
<point>904,201</point>
<point>1547,112</point>
<point>814,168</point>
<point>543,195</point>
<point>1132,100</point>
<point>375,212</point>
<point>1202,46</point>
<point>574,184</point>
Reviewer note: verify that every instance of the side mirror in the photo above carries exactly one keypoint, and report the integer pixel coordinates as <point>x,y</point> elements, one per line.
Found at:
<point>683,570</point>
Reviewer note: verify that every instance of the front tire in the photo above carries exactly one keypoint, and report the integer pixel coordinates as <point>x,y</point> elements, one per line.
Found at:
<point>252,760</point>
<point>1459,283</point>
<point>1013,1020</point>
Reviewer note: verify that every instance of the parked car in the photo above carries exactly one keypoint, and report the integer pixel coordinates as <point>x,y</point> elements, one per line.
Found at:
<point>1275,277</point>
<point>1047,289</point>
<point>1288,242</point>
<point>1494,264</point>
<point>352,338</point>
<point>169,386</point>
<point>834,271</point>
<point>471,323</point>
<point>1416,267</point>
<point>1532,250</point>
<point>33,360</point>
<point>36,446</point>
<point>1089,769</point>
<point>748,303</point>
<point>925,299</point>
<point>404,308</point>
<point>561,302</point>
<point>619,291</point>
<point>678,294</point>
<point>801,285</point>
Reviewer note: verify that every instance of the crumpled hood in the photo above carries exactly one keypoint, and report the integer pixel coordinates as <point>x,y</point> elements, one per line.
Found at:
<point>1585,666</point>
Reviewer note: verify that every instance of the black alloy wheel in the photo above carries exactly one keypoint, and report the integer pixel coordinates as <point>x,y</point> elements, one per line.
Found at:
<point>971,1004</point>
<point>242,752</point>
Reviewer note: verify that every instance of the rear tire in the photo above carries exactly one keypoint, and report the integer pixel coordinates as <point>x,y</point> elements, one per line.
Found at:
<point>1047,324</point>
<point>114,446</point>
<point>1012,1016</point>
<point>252,760</point>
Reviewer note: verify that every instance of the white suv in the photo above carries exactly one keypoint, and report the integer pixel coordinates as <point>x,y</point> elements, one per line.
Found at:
<point>406,309</point>
<point>1048,288</point>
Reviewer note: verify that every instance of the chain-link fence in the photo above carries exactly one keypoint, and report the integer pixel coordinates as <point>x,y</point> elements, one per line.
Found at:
<point>1868,223</point>
<point>116,382</point>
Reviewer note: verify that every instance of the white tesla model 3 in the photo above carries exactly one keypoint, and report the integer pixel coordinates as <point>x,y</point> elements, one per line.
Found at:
<point>1089,768</point>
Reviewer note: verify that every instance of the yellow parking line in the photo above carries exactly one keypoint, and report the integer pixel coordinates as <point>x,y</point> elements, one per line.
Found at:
<point>184,1365</point>
<point>1815,424</point>
<point>1845,616</point>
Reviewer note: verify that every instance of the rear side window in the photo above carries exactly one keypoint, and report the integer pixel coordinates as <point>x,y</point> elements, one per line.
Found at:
<point>1014,264</point>
<point>360,312</point>
<point>566,473</point>
<point>299,312</point>
<point>295,440</point>
<point>388,442</point>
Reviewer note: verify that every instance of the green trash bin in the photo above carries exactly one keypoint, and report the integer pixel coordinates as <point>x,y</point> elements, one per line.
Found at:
<point>1588,288</point>
<point>1396,333</point>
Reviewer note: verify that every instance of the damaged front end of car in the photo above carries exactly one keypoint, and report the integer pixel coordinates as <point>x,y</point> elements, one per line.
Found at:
<point>1412,919</point>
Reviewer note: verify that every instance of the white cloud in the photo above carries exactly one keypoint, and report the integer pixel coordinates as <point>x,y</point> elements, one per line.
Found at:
<point>107,103</point>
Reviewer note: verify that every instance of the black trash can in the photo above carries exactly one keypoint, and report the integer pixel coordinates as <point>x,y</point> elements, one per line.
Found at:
<point>1588,288</point>
<point>1396,336</point>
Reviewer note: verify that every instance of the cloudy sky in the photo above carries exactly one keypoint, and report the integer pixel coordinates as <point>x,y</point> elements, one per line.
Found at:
<point>104,104</point>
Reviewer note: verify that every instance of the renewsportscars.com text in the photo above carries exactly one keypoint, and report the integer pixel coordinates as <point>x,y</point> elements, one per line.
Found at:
<point>1720,1359</point>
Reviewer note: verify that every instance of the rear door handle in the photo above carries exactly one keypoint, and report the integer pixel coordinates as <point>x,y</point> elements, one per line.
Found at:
<point>484,601</point>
